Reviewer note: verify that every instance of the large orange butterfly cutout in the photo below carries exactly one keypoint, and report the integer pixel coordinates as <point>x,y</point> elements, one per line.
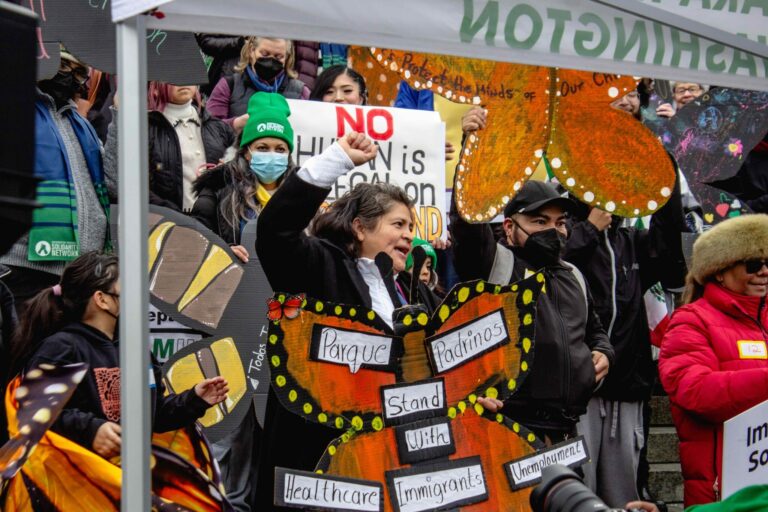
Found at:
<point>339,365</point>
<point>601,155</point>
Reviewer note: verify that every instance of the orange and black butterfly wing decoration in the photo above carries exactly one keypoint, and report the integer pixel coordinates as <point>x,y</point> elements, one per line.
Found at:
<point>603,156</point>
<point>33,404</point>
<point>329,361</point>
<point>480,341</point>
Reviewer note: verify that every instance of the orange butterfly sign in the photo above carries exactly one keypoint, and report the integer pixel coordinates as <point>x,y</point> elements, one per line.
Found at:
<point>601,155</point>
<point>479,342</point>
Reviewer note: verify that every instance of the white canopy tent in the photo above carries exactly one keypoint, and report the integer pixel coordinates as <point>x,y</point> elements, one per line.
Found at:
<point>712,42</point>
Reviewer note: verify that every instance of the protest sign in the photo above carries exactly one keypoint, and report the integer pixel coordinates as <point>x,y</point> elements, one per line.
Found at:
<point>411,153</point>
<point>745,448</point>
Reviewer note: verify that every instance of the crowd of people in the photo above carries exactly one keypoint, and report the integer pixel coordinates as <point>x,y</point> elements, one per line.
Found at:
<point>222,154</point>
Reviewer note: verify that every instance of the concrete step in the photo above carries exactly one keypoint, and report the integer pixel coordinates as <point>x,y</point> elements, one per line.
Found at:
<point>666,483</point>
<point>660,412</point>
<point>662,445</point>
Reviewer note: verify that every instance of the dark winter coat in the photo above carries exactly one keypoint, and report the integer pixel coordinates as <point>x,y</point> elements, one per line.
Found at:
<point>297,263</point>
<point>225,51</point>
<point>710,379</point>
<point>620,265</point>
<point>562,376</point>
<point>166,174</point>
<point>307,59</point>
<point>97,398</point>
<point>211,188</point>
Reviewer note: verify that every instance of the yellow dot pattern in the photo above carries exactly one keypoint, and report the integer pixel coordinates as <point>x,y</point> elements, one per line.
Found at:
<point>280,380</point>
<point>332,450</point>
<point>272,339</point>
<point>511,384</point>
<point>527,319</point>
<point>337,310</point>
<point>531,438</point>
<point>357,423</point>
<point>527,297</point>
<point>371,315</point>
<point>526,345</point>
<point>480,287</point>
<point>479,409</point>
<point>292,395</point>
<point>500,418</point>
<point>408,320</point>
<point>307,408</point>
<point>524,366</point>
<point>492,392</point>
<point>422,319</point>
<point>377,423</point>
<point>452,412</point>
<point>339,422</point>
<point>275,360</point>
<point>352,312</point>
<point>462,406</point>
<point>444,312</point>
<point>463,294</point>
<point>319,306</point>
<point>322,417</point>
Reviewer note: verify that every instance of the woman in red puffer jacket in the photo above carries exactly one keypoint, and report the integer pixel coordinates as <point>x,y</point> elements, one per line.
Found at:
<point>714,359</point>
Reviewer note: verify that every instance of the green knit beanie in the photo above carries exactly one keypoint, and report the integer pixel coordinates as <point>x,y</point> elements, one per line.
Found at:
<point>431,254</point>
<point>268,117</point>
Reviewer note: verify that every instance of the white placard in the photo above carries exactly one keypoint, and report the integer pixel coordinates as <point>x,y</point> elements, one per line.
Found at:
<point>527,470</point>
<point>745,450</point>
<point>417,400</point>
<point>351,348</point>
<point>433,436</point>
<point>433,490</point>
<point>300,488</point>
<point>411,152</point>
<point>462,344</point>
<point>167,336</point>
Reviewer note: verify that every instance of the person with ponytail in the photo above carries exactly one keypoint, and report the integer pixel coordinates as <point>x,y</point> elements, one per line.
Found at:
<point>76,321</point>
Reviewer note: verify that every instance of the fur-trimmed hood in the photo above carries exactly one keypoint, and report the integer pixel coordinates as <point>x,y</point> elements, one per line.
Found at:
<point>736,239</point>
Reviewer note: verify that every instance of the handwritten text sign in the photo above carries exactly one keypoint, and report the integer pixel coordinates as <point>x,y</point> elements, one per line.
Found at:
<point>302,489</point>
<point>745,449</point>
<point>526,471</point>
<point>453,348</point>
<point>354,348</point>
<point>424,440</point>
<point>404,403</point>
<point>439,486</point>
<point>411,153</point>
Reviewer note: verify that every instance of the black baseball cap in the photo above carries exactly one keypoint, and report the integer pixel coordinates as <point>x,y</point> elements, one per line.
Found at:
<point>535,195</point>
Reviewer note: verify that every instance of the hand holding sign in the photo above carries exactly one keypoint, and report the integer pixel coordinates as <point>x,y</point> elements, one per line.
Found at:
<point>359,148</point>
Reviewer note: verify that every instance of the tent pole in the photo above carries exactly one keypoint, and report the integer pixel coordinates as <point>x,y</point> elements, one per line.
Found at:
<point>653,13</point>
<point>133,207</point>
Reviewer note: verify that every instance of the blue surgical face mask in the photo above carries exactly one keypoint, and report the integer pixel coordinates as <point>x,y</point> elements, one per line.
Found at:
<point>268,167</point>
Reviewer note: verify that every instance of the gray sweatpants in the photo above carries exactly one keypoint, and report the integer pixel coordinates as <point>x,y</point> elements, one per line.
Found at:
<point>613,432</point>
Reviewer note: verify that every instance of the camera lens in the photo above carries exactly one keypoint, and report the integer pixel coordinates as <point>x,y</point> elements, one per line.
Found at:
<point>561,490</point>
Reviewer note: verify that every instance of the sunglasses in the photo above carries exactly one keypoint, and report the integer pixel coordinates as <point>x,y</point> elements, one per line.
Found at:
<point>754,266</point>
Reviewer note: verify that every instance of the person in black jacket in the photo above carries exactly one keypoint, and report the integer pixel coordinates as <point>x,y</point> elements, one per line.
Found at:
<point>75,321</point>
<point>234,193</point>
<point>337,263</point>
<point>225,51</point>
<point>572,351</point>
<point>620,264</point>
<point>183,140</point>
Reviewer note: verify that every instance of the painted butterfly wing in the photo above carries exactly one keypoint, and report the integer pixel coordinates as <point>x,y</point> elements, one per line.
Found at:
<point>709,138</point>
<point>482,339</point>
<point>33,404</point>
<point>370,455</point>
<point>312,370</point>
<point>602,155</point>
<point>531,113</point>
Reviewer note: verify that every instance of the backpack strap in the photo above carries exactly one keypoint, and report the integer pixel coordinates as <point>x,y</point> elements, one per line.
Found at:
<point>582,283</point>
<point>503,266</point>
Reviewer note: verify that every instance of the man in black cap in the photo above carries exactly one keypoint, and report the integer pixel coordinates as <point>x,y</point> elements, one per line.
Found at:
<point>572,351</point>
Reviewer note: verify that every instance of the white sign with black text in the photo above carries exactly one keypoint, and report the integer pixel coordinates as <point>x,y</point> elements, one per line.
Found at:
<point>466,342</point>
<point>353,348</point>
<point>411,153</point>
<point>404,403</point>
<point>302,489</point>
<point>439,486</point>
<point>745,450</point>
<point>526,471</point>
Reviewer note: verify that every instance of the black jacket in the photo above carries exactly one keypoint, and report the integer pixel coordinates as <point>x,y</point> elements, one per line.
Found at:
<point>97,398</point>
<point>211,187</point>
<point>165,164</point>
<point>8,322</point>
<point>297,263</point>
<point>621,264</point>
<point>225,51</point>
<point>562,376</point>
